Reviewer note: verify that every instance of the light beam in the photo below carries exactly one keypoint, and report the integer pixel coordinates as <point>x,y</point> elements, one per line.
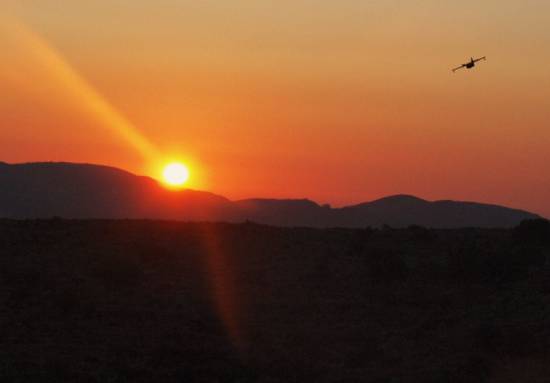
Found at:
<point>79,87</point>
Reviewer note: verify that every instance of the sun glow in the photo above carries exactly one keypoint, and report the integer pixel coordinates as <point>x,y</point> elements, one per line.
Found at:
<point>175,174</point>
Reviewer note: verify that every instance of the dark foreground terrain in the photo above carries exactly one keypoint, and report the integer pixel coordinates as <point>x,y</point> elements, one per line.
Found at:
<point>146,301</point>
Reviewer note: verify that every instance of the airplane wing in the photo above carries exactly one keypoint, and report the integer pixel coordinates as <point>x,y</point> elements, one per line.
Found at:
<point>479,59</point>
<point>458,67</point>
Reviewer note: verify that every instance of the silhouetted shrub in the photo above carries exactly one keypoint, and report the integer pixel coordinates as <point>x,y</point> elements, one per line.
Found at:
<point>66,301</point>
<point>521,341</point>
<point>386,265</point>
<point>512,264</point>
<point>488,337</point>
<point>533,231</point>
<point>421,233</point>
<point>475,369</point>
<point>476,260</point>
<point>356,246</point>
<point>465,260</point>
<point>118,272</point>
<point>369,231</point>
<point>516,340</point>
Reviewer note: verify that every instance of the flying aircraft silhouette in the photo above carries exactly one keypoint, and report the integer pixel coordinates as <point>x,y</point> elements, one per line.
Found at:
<point>469,65</point>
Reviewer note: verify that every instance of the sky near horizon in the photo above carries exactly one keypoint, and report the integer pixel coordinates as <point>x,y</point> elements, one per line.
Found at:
<point>340,102</point>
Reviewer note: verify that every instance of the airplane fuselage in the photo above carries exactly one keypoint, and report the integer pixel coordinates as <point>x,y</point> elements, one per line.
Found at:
<point>470,64</point>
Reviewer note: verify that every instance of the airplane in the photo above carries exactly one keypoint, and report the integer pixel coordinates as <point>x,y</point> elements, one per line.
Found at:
<point>471,64</point>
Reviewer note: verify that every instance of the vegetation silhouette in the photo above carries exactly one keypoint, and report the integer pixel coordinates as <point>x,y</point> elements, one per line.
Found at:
<point>130,300</point>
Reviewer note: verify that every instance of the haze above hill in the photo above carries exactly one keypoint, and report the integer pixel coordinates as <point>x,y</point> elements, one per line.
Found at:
<point>68,190</point>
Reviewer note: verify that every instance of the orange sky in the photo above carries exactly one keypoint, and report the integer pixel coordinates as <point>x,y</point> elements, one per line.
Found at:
<point>340,102</point>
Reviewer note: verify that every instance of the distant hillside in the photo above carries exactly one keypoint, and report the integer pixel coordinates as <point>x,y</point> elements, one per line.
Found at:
<point>403,210</point>
<point>43,190</point>
<point>39,190</point>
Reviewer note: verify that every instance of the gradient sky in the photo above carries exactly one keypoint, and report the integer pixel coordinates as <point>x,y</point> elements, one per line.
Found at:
<point>338,101</point>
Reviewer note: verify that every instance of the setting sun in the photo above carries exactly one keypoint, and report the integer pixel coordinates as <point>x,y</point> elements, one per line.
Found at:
<point>175,174</point>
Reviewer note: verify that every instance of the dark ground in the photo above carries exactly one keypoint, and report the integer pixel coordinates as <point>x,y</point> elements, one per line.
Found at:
<point>150,301</point>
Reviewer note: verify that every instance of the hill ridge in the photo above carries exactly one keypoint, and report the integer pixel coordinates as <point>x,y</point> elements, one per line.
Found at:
<point>73,190</point>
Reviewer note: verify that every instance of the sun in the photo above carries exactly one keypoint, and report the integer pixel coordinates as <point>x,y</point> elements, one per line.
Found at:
<point>175,174</point>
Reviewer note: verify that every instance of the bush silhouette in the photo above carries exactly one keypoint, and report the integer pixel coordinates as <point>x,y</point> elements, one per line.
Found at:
<point>533,231</point>
<point>387,265</point>
<point>134,301</point>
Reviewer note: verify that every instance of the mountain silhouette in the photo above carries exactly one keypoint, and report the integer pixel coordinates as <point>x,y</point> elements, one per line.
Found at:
<point>68,190</point>
<point>41,190</point>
